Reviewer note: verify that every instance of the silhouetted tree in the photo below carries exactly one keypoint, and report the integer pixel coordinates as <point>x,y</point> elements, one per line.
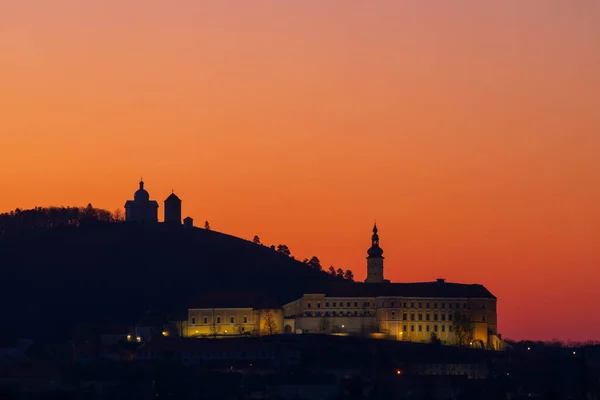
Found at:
<point>325,324</point>
<point>206,225</point>
<point>272,247</point>
<point>340,273</point>
<point>283,249</point>
<point>463,331</point>
<point>348,275</point>
<point>332,270</point>
<point>118,215</point>
<point>314,263</point>
<point>256,239</point>
<point>435,339</point>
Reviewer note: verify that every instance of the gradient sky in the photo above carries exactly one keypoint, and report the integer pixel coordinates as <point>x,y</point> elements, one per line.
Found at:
<point>469,129</point>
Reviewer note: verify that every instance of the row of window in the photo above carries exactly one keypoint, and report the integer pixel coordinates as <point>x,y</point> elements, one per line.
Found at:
<point>218,320</point>
<point>428,328</point>
<point>436,317</point>
<point>392,304</point>
<point>336,314</point>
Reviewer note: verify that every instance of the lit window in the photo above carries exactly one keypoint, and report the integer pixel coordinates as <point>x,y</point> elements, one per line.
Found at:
<point>205,320</point>
<point>218,319</point>
<point>232,319</point>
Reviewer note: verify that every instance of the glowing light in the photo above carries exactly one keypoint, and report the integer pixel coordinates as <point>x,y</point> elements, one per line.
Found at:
<point>343,326</point>
<point>138,339</point>
<point>529,349</point>
<point>574,352</point>
<point>165,333</point>
<point>398,372</point>
<point>128,337</point>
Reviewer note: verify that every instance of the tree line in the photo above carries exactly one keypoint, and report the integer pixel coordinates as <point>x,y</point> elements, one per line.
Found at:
<point>18,220</point>
<point>313,262</point>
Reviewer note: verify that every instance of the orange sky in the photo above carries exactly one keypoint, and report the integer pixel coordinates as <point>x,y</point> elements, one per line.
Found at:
<point>468,129</point>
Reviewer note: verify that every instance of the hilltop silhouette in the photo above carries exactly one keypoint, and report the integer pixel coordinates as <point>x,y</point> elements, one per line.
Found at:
<point>92,271</point>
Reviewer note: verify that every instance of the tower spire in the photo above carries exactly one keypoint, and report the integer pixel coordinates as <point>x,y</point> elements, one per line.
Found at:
<point>375,259</point>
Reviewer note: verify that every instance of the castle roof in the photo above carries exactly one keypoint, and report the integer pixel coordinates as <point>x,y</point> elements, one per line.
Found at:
<point>173,197</point>
<point>440,288</point>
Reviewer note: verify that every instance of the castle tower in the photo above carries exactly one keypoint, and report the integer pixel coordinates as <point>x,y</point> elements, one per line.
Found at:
<point>375,260</point>
<point>173,209</point>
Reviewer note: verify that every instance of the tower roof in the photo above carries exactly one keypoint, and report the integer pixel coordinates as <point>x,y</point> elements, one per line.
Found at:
<point>375,250</point>
<point>173,197</point>
<point>141,194</point>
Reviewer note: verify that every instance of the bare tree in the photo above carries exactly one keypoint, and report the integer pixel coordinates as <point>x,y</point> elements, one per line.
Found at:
<point>462,329</point>
<point>270,325</point>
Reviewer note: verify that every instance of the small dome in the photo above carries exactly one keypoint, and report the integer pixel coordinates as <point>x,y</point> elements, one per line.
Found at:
<point>375,251</point>
<point>141,194</point>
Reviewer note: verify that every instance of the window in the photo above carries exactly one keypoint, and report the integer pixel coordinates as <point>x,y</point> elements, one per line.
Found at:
<point>245,319</point>
<point>457,306</point>
<point>308,305</point>
<point>318,305</point>
<point>434,305</point>
<point>366,304</point>
<point>435,328</point>
<point>427,305</point>
<point>392,304</point>
<point>205,320</point>
<point>341,304</point>
<point>483,318</point>
<point>465,306</point>
<point>348,304</point>
<point>356,304</point>
<point>449,317</point>
<point>435,317</point>
<point>404,304</point>
<point>443,328</point>
<point>333,313</point>
<point>232,320</point>
<point>420,305</point>
<point>420,328</point>
<point>326,304</point>
<point>443,305</point>
<point>193,320</point>
<point>327,313</point>
<point>404,328</point>
<point>355,313</point>
<point>427,328</point>
<point>450,328</point>
<point>334,304</point>
<point>218,319</point>
<point>412,304</point>
<point>404,317</point>
<point>443,317</point>
<point>412,316</point>
<point>393,314</point>
<point>420,317</point>
<point>483,305</point>
<point>412,328</point>
<point>427,317</point>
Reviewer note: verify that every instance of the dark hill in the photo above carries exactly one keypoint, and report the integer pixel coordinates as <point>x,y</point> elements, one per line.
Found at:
<point>54,279</point>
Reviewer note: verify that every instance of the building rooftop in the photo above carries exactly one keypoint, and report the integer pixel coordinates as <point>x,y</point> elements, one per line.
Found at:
<point>438,288</point>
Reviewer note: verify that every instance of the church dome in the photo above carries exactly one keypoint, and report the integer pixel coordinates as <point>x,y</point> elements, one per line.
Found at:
<point>375,250</point>
<point>141,194</point>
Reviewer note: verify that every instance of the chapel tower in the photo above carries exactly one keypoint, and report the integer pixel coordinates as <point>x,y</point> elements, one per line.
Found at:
<point>173,209</point>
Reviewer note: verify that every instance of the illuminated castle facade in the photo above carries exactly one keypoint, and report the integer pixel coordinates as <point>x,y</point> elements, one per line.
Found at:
<point>453,313</point>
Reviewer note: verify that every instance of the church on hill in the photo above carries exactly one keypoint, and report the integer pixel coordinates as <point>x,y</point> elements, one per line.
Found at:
<point>143,210</point>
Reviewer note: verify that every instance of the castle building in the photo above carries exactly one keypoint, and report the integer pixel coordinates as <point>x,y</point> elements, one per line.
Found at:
<point>453,313</point>
<point>173,209</point>
<point>141,209</point>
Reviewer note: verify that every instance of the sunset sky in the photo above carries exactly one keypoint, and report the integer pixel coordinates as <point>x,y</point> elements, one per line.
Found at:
<point>469,129</point>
